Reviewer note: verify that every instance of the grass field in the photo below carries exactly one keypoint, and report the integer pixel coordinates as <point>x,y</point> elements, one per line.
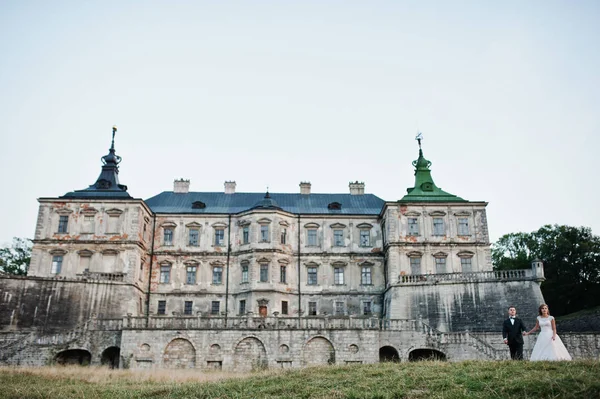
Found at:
<point>472,379</point>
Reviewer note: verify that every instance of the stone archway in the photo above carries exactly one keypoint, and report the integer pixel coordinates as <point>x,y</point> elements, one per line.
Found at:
<point>249,354</point>
<point>74,356</point>
<point>179,354</point>
<point>110,357</point>
<point>318,351</point>
<point>426,354</point>
<point>388,354</point>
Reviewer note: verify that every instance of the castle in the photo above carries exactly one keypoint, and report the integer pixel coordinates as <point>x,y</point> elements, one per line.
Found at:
<point>239,281</point>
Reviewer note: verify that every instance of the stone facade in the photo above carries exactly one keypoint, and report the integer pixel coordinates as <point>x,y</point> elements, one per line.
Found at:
<point>243,281</point>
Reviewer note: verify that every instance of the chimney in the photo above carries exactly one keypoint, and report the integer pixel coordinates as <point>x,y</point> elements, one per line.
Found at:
<point>357,188</point>
<point>304,187</point>
<point>181,186</point>
<point>229,187</point>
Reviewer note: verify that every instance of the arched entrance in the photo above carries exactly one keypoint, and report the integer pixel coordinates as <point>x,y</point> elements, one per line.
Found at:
<point>388,354</point>
<point>110,357</point>
<point>249,354</point>
<point>318,351</point>
<point>426,354</point>
<point>180,354</point>
<point>73,356</point>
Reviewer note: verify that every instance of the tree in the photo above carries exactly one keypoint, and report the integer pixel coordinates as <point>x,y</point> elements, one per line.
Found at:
<point>571,257</point>
<point>15,259</point>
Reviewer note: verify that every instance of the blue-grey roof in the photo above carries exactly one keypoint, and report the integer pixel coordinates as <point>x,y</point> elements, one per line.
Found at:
<point>221,203</point>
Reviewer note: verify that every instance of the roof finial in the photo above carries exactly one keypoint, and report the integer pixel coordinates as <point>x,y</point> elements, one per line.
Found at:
<point>112,145</point>
<point>419,138</point>
<point>267,195</point>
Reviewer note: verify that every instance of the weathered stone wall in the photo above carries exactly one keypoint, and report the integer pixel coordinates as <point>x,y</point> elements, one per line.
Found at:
<point>244,350</point>
<point>57,304</point>
<point>464,306</point>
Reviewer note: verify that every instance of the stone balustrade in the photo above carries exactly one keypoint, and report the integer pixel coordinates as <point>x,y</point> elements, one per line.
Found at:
<point>101,276</point>
<point>496,275</point>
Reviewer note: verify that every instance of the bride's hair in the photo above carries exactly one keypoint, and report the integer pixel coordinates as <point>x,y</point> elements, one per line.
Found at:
<point>540,309</point>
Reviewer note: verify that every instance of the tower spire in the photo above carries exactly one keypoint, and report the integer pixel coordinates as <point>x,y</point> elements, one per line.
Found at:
<point>425,189</point>
<point>107,184</point>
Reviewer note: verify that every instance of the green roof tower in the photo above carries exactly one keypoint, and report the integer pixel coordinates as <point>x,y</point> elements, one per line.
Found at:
<point>425,189</point>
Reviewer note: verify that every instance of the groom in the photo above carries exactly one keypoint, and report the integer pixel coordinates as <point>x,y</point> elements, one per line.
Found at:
<point>512,332</point>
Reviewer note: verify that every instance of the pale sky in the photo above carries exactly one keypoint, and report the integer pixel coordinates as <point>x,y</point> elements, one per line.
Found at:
<point>271,93</point>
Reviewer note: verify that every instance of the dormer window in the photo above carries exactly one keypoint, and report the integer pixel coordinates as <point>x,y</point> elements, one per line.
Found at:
<point>334,206</point>
<point>198,205</point>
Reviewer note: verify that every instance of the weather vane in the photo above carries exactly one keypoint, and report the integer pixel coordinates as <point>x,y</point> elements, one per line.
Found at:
<point>419,138</point>
<point>113,138</point>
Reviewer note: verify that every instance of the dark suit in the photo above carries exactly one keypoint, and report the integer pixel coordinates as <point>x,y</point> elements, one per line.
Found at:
<point>513,332</point>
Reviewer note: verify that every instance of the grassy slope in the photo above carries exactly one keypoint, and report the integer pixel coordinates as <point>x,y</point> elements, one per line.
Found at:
<point>406,380</point>
<point>580,314</point>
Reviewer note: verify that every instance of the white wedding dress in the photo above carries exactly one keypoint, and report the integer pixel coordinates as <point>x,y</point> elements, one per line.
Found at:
<point>545,348</point>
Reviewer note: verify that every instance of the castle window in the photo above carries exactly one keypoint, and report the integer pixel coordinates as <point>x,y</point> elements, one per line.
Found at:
<point>215,307</point>
<point>88,224</point>
<point>56,264</point>
<point>338,276</point>
<point>264,233</point>
<point>217,275</point>
<point>365,238</point>
<point>312,308</point>
<point>366,276</point>
<point>190,277</point>
<point>219,237</point>
<point>312,275</point>
<point>264,272</point>
<point>85,260</point>
<point>415,265</point>
<point>188,307</point>
<point>413,226</point>
<point>339,308</point>
<point>162,307</point>
<point>311,237</point>
<point>242,309</point>
<point>244,272</point>
<point>438,227</point>
<point>63,222</point>
<point>113,224</point>
<point>284,307</point>
<point>463,226</point>
<point>245,234</point>
<point>466,265</point>
<point>282,274</point>
<point>283,236</point>
<point>193,237</point>
<point>168,237</point>
<point>440,265</point>
<point>165,274</point>
<point>338,238</point>
<point>367,308</point>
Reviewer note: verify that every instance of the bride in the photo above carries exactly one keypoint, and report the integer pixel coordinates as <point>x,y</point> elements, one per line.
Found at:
<point>548,346</point>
